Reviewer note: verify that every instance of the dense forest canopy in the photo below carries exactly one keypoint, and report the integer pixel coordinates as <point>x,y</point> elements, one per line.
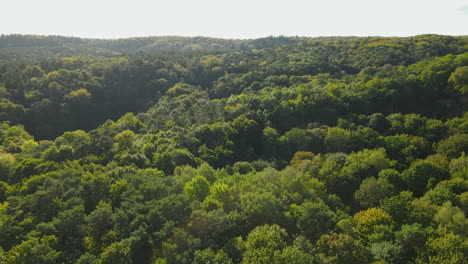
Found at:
<point>18,47</point>
<point>202,150</point>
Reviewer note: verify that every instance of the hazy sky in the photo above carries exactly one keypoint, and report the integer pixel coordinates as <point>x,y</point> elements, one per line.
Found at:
<point>233,18</point>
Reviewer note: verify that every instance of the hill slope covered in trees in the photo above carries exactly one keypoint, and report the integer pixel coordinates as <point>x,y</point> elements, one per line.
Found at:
<point>23,47</point>
<point>199,150</point>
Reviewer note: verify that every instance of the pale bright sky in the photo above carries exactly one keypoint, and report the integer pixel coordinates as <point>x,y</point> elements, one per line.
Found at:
<point>233,18</point>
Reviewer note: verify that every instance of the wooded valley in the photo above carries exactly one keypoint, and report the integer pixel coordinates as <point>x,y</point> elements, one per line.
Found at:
<point>199,150</point>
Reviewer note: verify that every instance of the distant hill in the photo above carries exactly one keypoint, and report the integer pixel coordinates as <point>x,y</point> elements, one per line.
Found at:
<point>17,47</point>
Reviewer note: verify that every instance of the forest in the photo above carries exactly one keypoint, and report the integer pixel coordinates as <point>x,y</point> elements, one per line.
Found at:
<point>282,150</point>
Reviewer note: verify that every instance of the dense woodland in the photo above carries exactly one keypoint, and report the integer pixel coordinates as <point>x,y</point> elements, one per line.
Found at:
<point>197,150</point>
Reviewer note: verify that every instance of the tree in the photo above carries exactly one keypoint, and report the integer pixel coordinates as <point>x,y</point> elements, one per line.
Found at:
<point>100,221</point>
<point>262,243</point>
<point>378,122</point>
<point>7,161</point>
<point>180,248</point>
<point>260,208</point>
<point>25,168</point>
<point>9,111</point>
<point>341,248</point>
<point>70,226</point>
<point>444,247</point>
<point>116,190</point>
<point>197,189</point>
<point>301,156</point>
<point>453,146</point>
<point>125,139</point>
<point>358,166</point>
<point>460,80</point>
<point>78,140</point>
<point>116,253</point>
<point>242,167</point>
<point>270,142</point>
<point>373,190</point>
<point>220,196</point>
<point>412,238</point>
<point>423,175</point>
<point>210,256</point>
<point>423,211</point>
<point>452,218</point>
<point>34,250</point>
<point>313,218</point>
<point>336,140</point>
<point>79,105</point>
<point>366,221</point>
<point>387,251</point>
<point>87,258</point>
<point>292,255</point>
<point>399,206</point>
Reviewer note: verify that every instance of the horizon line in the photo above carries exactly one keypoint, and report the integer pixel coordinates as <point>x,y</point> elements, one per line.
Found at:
<point>223,38</point>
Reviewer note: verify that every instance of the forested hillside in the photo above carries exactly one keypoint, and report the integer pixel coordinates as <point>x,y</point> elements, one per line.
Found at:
<point>27,47</point>
<point>199,150</point>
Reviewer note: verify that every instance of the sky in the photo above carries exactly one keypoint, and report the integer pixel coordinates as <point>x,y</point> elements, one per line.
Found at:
<point>239,19</point>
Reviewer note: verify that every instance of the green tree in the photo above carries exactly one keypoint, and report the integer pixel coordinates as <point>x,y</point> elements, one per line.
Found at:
<point>292,255</point>
<point>460,80</point>
<point>100,221</point>
<point>423,175</point>
<point>262,243</point>
<point>260,208</point>
<point>412,238</point>
<point>444,247</point>
<point>399,206</point>
<point>387,251</point>
<point>116,253</point>
<point>125,139</point>
<point>341,248</point>
<point>197,189</point>
<point>313,218</point>
<point>336,140</point>
<point>34,250</point>
<point>452,218</point>
<point>366,221</point>
<point>7,161</point>
<point>453,146</point>
<point>210,256</point>
<point>373,190</point>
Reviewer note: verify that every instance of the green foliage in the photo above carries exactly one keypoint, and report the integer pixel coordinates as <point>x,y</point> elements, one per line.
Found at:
<point>197,150</point>
<point>412,238</point>
<point>116,253</point>
<point>260,207</point>
<point>7,161</point>
<point>423,175</point>
<point>460,80</point>
<point>366,221</point>
<point>452,218</point>
<point>125,139</point>
<point>209,256</point>
<point>444,247</point>
<point>372,191</point>
<point>387,251</point>
<point>453,146</point>
<point>34,250</point>
<point>197,189</point>
<point>313,219</point>
<point>341,248</point>
<point>336,140</point>
<point>398,206</point>
<point>262,243</point>
<point>100,221</point>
